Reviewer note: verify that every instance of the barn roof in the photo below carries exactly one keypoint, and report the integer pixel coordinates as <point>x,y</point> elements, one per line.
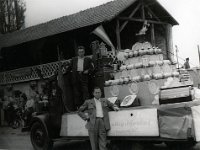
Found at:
<point>81,19</point>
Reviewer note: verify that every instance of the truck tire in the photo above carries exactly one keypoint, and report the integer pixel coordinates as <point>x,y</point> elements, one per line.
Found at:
<point>39,137</point>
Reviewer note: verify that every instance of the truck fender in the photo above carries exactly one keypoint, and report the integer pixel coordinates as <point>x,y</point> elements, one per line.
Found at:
<point>44,120</point>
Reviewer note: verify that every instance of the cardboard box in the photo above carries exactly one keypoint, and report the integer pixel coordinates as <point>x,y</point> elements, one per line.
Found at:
<point>144,93</point>
<point>133,122</point>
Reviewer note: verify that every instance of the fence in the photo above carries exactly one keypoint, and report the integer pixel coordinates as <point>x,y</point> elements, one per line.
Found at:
<point>29,73</point>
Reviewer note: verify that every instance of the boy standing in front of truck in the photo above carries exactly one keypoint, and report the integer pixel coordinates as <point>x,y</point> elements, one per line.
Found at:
<point>97,119</point>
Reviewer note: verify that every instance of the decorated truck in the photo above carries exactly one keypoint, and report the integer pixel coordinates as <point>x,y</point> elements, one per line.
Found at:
<point>130,42</point>
<point>157,104</point>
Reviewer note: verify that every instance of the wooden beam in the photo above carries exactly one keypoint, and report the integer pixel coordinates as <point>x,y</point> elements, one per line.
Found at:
<point>142,20</point>
<point>75,45</point>
<point>152,13</point>
<point>169,42</point>
<point>130,16</point>
<point>118,35</point>
<point>142,9</point>
<point>153,41</point>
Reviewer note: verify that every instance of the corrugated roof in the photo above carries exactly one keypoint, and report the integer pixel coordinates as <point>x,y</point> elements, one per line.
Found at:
<point>84,18</point>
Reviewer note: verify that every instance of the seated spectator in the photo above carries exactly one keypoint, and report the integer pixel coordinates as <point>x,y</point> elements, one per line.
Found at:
<point>44,102</point>
<point>22,101</point>
<point>33,94</point>
<point>8,107</point>
<point>1,102</point>
<point>29,109</point>
<point>44,97</point>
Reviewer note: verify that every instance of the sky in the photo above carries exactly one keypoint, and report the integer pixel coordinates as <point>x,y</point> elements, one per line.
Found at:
<point>186,35</point>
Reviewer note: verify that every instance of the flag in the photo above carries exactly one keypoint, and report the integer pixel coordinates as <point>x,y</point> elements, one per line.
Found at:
<point>100,32</point>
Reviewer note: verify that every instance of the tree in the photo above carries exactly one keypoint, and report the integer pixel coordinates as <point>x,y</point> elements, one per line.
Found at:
<point>11,15</point>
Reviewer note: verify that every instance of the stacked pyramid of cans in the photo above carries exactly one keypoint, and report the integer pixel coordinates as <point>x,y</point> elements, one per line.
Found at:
<point>142,63</point>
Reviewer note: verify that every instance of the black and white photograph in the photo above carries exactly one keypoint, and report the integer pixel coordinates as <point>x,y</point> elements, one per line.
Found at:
<point>99,75</point>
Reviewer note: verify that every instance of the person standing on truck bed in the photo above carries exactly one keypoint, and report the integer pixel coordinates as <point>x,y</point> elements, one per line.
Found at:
<point>187,64</point>
<point>81,67</point>
<point>97,118</point>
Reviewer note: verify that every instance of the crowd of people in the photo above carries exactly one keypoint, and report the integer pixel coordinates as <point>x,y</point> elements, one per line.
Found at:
<point>34,101</point>
<point>51,94</point>
<point>14,103</point>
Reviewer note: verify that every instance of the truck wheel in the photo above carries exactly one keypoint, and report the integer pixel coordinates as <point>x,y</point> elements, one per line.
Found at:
<point>39,137</point>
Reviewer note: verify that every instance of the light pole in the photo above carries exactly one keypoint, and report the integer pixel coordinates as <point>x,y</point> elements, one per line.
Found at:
<point>199,53</point>
<point>177,56</point>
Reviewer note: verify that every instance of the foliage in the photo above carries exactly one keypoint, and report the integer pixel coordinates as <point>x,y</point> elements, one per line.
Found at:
<point>11,15</point>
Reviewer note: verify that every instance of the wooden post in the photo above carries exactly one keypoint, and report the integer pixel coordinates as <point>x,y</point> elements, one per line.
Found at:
<point>152,35</point>
<point>142,10</point>
<point>169,44</point>
<point>75,46</point>
<point>177,57</point>
<point>118,35</point>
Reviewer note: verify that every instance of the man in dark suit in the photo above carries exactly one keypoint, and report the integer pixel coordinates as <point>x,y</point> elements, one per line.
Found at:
<point>97,119</point>
<point>82,67</point>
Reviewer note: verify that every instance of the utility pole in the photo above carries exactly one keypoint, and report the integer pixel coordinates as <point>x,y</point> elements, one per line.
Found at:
<point>199,53</point>
<point>177,56</point>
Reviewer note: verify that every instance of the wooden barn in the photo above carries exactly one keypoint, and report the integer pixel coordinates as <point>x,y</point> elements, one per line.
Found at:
<point>23,51</point>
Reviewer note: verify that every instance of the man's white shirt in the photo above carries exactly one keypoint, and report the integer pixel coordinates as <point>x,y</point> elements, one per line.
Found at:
<point>80,64</point>
<point>99,111</point>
